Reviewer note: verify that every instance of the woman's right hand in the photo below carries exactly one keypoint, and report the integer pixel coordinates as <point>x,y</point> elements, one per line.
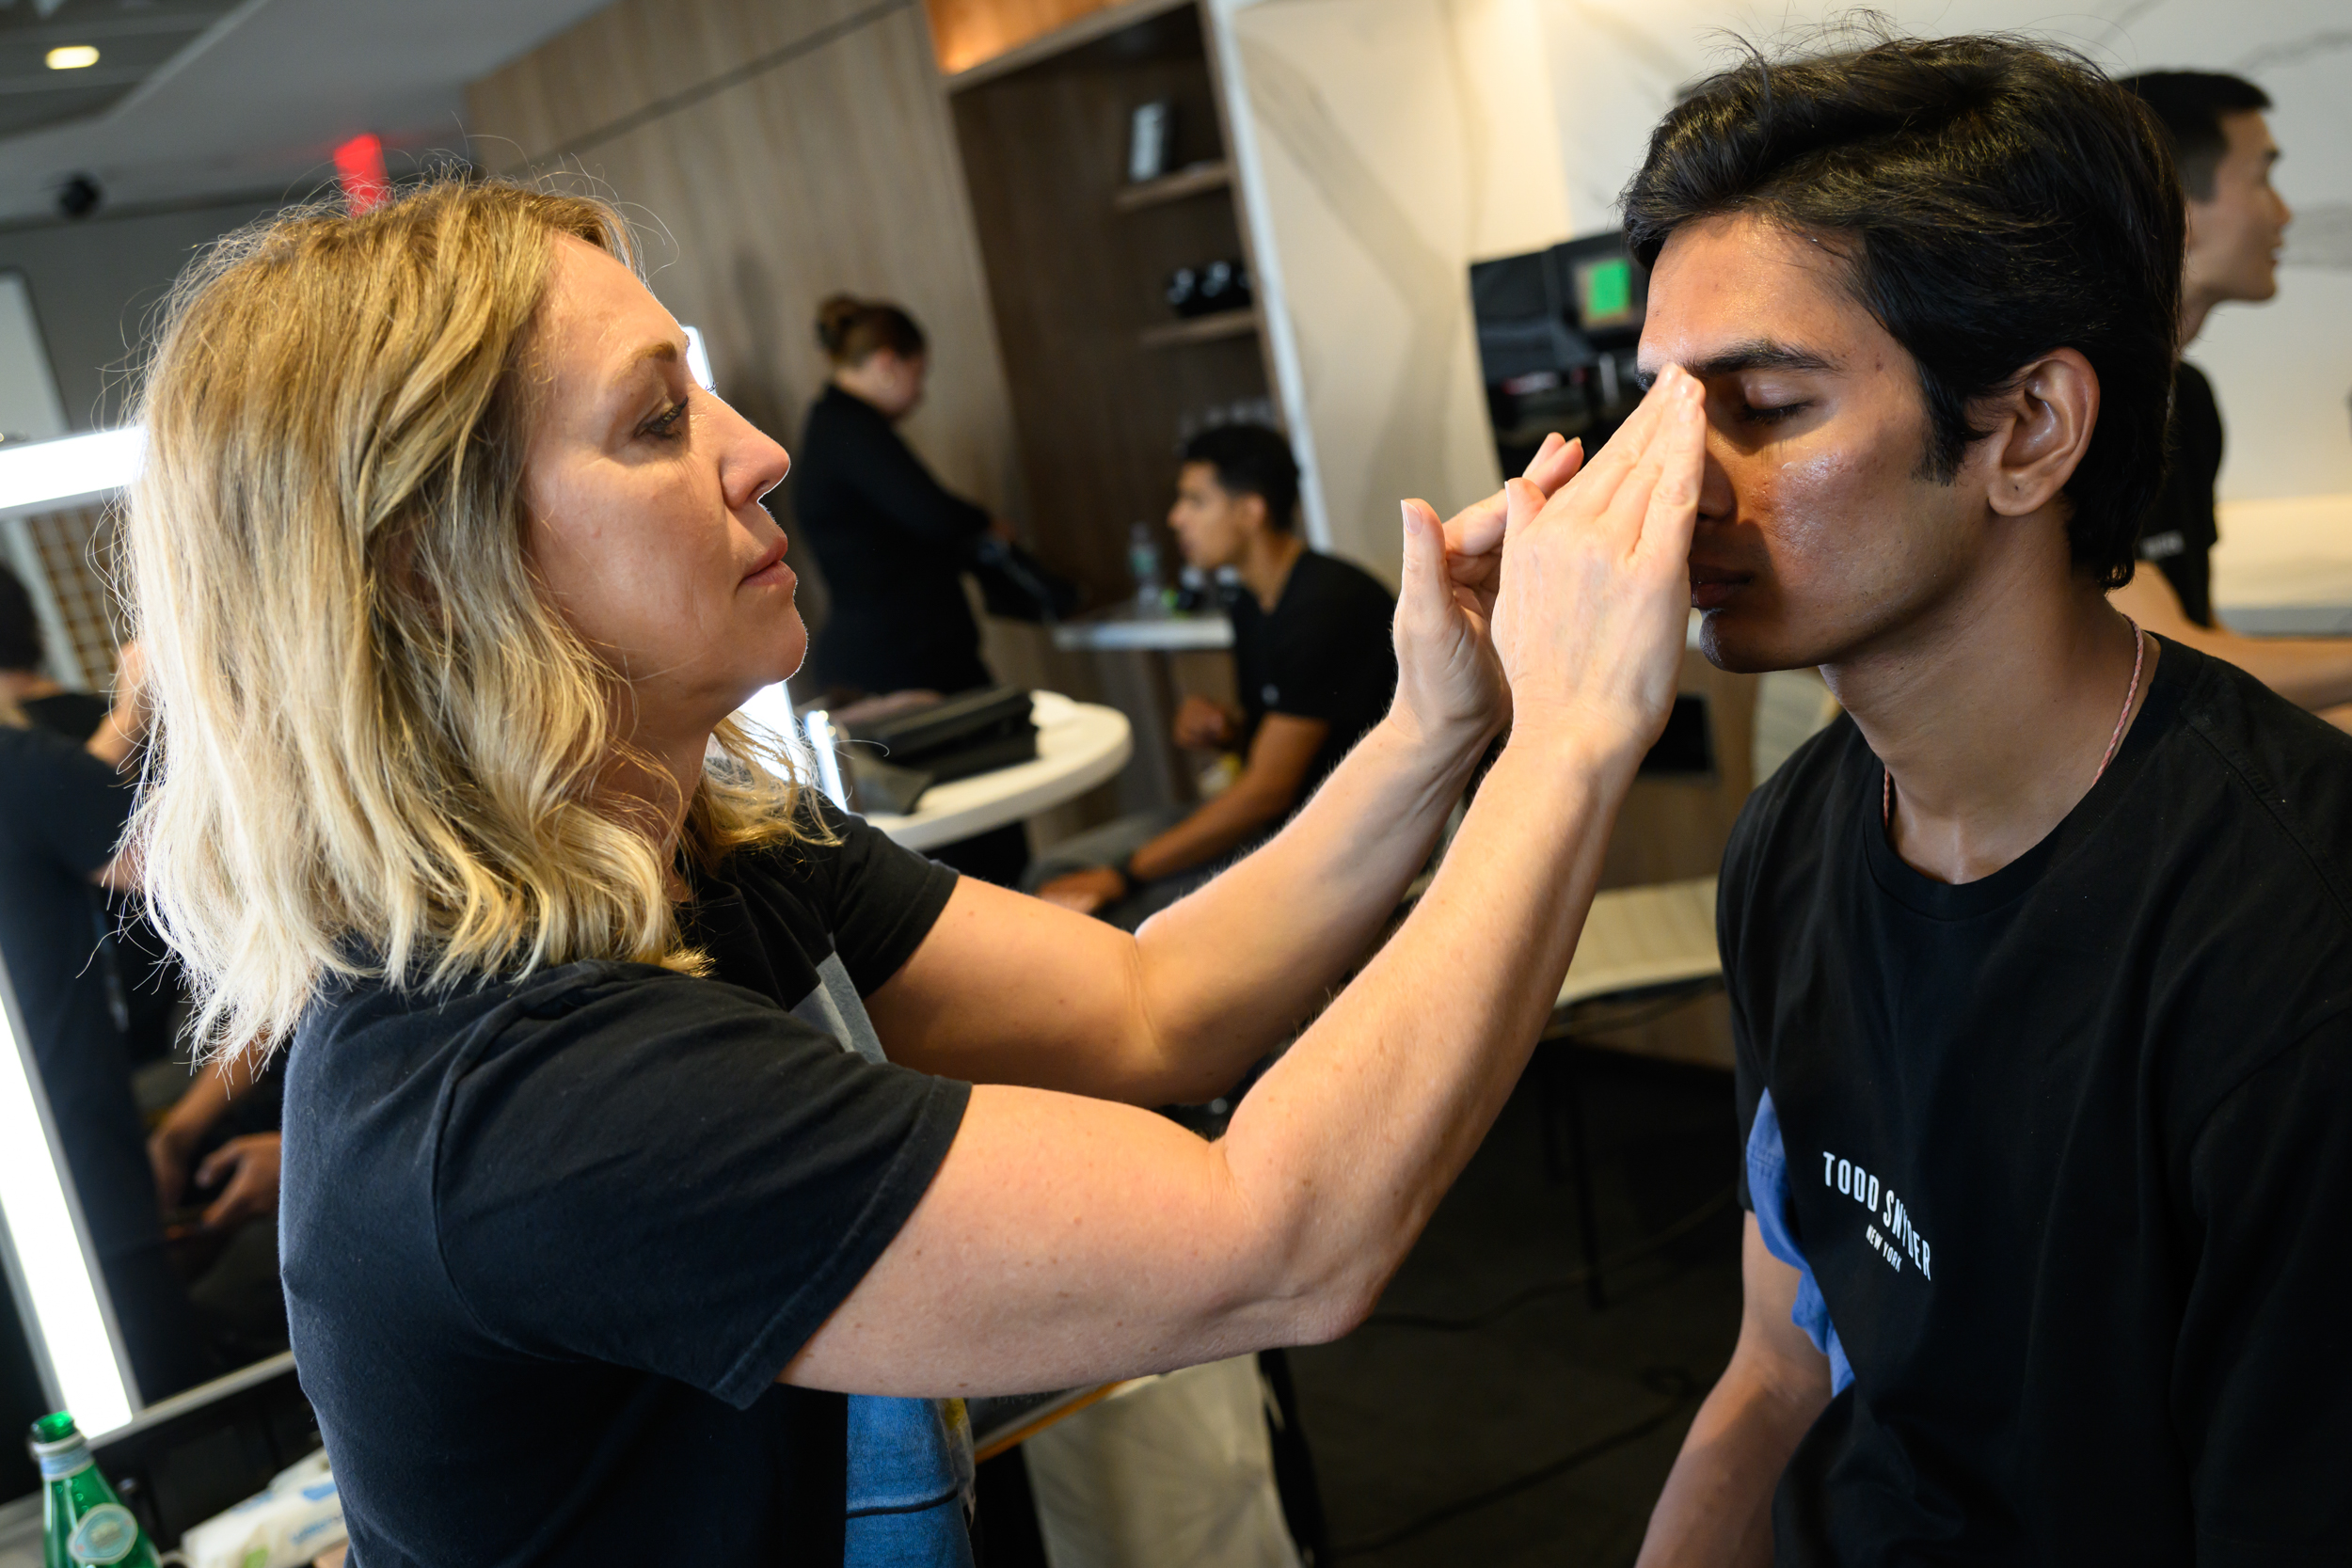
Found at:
<point>1591,586</point>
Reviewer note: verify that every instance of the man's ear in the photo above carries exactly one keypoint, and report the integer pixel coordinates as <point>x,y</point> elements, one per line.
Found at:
<point>2040,429</point>
<point>1252,507</point>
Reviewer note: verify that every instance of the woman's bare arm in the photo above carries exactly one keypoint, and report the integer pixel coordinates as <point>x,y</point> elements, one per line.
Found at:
<point>1066,1240</point>
<point>1008,989</point>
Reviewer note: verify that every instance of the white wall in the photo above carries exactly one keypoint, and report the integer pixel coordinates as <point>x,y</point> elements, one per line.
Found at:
<point>1388,144</point>
<point>2283,371</point>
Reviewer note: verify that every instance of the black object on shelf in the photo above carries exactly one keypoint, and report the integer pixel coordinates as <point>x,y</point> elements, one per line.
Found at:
<point>1211,289</point>
<point>1687,748</point>
<point>190,1457</point>
<point>974,733</point>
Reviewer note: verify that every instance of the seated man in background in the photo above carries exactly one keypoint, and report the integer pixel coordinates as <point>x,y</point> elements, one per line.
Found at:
<point>1314,662</point>
<point>2036,958</point>
<point>2237,222</point>
<point>43,701</point>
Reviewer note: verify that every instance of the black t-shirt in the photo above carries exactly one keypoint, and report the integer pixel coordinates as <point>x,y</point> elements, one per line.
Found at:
<point>1325,651</point>
<point>2068,1148</point>
<point>548,1243</point>
<point>2180,533</point>
<point>75,714</point>
<point>893,544</point>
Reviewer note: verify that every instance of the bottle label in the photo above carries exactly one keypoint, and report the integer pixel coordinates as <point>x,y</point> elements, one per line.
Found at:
<point>58,1466</point>
<point>108,1533</point>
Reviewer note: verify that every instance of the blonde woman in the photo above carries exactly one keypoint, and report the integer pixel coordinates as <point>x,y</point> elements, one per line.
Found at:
<point>639,1105</point>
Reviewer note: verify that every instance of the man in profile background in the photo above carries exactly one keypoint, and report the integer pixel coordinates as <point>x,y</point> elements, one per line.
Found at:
<point>2039,958</point>
<point>1313,663</point>
<point>2237,221</point>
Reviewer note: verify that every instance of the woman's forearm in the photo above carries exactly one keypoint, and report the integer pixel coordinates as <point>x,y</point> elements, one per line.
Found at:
<point>1344,1148</point>
<point>1229,970</point>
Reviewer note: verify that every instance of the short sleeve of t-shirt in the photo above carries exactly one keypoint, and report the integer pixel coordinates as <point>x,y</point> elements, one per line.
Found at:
<point>674,1175</point>
<point>879,898</point>
<point>62,802</point>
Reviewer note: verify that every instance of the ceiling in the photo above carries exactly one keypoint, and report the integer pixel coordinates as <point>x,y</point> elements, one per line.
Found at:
<point>195,98</point>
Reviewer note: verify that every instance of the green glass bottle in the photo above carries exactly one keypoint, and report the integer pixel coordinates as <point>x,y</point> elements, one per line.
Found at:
<point>83,1521</point>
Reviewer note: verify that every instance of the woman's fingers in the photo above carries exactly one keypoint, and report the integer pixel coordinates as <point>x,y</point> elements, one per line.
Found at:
<point>1477,530</point>
<point>1667,522</point>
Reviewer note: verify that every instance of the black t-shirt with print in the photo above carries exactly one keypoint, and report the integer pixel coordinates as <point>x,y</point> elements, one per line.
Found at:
<point>1325,651</point>
<point>2180,533</point>
<point>548,1243</point>
<point>2070,1148</point>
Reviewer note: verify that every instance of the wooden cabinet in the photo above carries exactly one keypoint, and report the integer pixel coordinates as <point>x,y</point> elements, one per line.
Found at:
<point>1104,378</point>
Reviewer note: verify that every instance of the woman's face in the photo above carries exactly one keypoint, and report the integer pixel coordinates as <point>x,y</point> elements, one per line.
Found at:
<point>643,492</point>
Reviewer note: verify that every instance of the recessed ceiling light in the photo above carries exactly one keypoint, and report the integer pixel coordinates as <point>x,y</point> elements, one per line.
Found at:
<point>72,56</point>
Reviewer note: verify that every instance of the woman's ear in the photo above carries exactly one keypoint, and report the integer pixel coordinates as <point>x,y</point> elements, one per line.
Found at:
<point>2041,427</point>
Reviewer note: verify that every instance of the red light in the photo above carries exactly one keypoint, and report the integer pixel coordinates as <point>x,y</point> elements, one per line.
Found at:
<point>360,167</point>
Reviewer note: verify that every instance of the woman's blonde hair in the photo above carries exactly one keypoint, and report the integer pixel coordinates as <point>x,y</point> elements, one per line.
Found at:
<point>377,742</point>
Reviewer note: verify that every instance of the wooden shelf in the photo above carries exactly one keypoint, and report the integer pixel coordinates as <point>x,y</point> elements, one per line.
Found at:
<point>1202,329</point>
<point>1175,187</point>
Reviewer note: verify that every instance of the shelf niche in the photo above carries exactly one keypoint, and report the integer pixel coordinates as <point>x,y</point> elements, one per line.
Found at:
<point>1102,375</point>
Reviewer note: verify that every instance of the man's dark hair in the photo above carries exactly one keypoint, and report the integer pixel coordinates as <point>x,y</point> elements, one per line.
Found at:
<point>1996,198</point>
<point>2189,104</point>
<point>20,628</point>
<point>1252,460</point>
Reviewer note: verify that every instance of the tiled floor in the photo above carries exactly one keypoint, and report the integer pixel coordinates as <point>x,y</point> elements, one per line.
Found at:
<point>1541,1435</point>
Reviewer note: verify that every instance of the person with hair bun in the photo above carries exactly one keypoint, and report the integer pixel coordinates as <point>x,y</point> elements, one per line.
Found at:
<point>667,1153</point>
<point>892,541</point>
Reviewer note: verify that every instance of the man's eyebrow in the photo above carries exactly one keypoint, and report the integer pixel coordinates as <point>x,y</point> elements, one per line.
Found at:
<point>1761,354</point>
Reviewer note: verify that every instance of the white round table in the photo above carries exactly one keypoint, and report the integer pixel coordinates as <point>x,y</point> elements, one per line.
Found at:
<point>1078,746</point>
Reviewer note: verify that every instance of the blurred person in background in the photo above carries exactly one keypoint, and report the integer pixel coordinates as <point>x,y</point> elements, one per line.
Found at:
<point>1313,664</point>
<point>891,542</point>
<point>2237,221</point>
<point>24,679</point>
<point>63,807</point>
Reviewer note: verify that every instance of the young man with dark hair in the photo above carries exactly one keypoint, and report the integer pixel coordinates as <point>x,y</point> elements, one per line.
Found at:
<point>43,700</point>
<point>2237,222</point>
<point>2040,958</point>
<point>1313,663</point>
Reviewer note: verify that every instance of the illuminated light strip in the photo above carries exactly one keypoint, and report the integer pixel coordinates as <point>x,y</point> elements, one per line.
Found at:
<point>51,1267</point>
<point>37,476</point>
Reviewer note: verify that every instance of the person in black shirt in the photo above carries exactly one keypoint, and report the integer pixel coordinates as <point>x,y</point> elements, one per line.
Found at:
<point>62,810</point>
<point>666,1156</point>
<point>38,696</point>
<point>2224,151</point>
<point>891,542</point>
<point>1313,664</point>
<point>2040,958</point>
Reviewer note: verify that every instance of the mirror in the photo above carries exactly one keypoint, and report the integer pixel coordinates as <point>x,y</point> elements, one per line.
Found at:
<point>140,1194</point>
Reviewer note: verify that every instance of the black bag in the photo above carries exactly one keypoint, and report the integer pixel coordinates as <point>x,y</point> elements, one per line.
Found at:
<point>894,760</point>
<point>1015,585</point>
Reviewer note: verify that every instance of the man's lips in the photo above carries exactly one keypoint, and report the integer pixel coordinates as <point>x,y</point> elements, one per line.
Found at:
<point>1713,587</point>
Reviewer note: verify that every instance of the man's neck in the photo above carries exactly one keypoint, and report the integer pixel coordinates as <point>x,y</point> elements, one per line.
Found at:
<point>2196,305</point>
<point>1265,566</point>
<point>1992,715</point>
<point>24,686</point>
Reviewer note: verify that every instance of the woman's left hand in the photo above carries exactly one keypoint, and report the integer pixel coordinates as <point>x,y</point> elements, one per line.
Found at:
<point>1448,684</point>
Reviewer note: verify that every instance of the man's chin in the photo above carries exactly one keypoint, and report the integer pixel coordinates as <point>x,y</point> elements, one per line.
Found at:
<point>1747,644</point>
